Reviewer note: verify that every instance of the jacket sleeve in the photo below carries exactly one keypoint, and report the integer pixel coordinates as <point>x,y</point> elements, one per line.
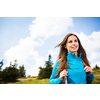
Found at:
<point>90,78</point>
<point>55,79</point>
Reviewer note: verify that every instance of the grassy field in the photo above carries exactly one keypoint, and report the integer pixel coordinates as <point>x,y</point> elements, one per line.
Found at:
<point>31,81</point>
<point>34,80</point>
<point>96,76</point>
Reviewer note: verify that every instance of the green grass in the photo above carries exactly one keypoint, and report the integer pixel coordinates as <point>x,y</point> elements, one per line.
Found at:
<point>31,81</point>
<point>96,76</point>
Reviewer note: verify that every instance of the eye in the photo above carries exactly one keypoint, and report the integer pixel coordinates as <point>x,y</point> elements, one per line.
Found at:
<point>70,42</point>
<point>75,40</point>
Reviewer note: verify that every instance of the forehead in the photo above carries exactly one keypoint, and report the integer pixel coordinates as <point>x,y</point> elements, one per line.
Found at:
<point>72,37</point>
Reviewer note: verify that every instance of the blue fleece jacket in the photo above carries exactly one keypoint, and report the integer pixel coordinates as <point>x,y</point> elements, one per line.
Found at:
<point>76,75</point>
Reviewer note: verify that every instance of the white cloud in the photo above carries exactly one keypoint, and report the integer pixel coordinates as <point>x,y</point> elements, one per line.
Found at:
<point>49,26</point>
<point>52,52</point>
<point>91,43</point>
<point>21,51</point>
<point>95,39</point>
<point>94,55</point>
<point>41,29</point>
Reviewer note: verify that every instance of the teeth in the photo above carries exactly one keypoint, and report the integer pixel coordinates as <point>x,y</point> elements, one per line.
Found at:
<point>73,47</point>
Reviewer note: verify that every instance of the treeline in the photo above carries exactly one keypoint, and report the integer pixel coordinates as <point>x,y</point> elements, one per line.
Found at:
<point>96,67</point>
<point>12,73</point>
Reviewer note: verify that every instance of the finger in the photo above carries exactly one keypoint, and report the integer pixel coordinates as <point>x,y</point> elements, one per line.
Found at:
<point>85,67</point>
<point>65,74</point>
<point>86,70</point>
<point>66,71</point>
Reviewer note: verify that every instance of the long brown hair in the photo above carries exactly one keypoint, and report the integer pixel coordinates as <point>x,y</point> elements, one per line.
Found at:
<point>63,53</point>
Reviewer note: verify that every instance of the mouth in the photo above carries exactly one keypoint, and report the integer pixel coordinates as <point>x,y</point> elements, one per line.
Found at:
<point>74,47</point>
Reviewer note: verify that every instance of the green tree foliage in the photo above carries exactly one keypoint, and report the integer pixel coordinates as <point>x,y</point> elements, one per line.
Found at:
<point>96,67</point>
<point>46,72</point>
<point>22,71</point>
<point>11,73</point>
<point>1,64</point>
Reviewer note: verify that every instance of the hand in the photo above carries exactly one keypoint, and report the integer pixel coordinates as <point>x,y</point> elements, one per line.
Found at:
<point>63,74</point>
<point>88,69</point>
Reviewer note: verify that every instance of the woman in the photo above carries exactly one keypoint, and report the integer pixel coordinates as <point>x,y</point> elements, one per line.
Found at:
<point>71,57</point>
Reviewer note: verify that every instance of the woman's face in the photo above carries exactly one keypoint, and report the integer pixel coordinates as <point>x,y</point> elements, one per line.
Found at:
<point>72,44</point>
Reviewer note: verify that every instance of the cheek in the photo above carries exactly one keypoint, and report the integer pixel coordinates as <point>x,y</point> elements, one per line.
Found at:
<point>78,45</point>
<point>69,46</point>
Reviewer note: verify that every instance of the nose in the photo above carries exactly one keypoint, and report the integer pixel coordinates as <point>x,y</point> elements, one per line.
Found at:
<point>73,42</point>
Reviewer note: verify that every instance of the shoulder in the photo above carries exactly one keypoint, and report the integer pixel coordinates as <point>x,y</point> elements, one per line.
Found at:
<point>57,64</point>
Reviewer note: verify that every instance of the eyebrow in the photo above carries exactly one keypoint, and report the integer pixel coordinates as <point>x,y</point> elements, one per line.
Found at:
<point>70,41</point>
<point>74,40</point>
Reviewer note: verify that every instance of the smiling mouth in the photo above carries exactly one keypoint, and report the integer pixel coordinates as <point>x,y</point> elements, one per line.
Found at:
<point>74,47</point>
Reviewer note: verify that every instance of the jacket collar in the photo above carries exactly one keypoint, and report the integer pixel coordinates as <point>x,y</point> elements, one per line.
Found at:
<point>73,54</point>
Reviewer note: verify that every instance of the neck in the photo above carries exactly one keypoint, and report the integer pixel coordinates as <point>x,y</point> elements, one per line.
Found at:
<point>76,54</point>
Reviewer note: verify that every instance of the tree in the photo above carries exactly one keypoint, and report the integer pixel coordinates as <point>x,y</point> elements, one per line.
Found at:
<point>49,63</point>
<point>11,73</point>
<point>96,66</point>
<point>1,64</point>
<point>46,72</point>
<point>22,71</point>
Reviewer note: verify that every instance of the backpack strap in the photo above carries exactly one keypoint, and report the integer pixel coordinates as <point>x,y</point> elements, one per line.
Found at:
<point>86,73</point>
<point>84,63</point>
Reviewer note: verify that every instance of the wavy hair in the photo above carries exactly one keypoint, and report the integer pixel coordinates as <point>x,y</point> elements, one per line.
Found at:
<point>63,53</point>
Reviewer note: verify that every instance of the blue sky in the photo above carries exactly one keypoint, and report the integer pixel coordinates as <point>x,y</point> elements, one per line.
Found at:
<point>30,40</point>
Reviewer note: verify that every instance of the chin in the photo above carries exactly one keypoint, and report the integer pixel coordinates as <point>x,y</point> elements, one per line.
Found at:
<point>74,51</point>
